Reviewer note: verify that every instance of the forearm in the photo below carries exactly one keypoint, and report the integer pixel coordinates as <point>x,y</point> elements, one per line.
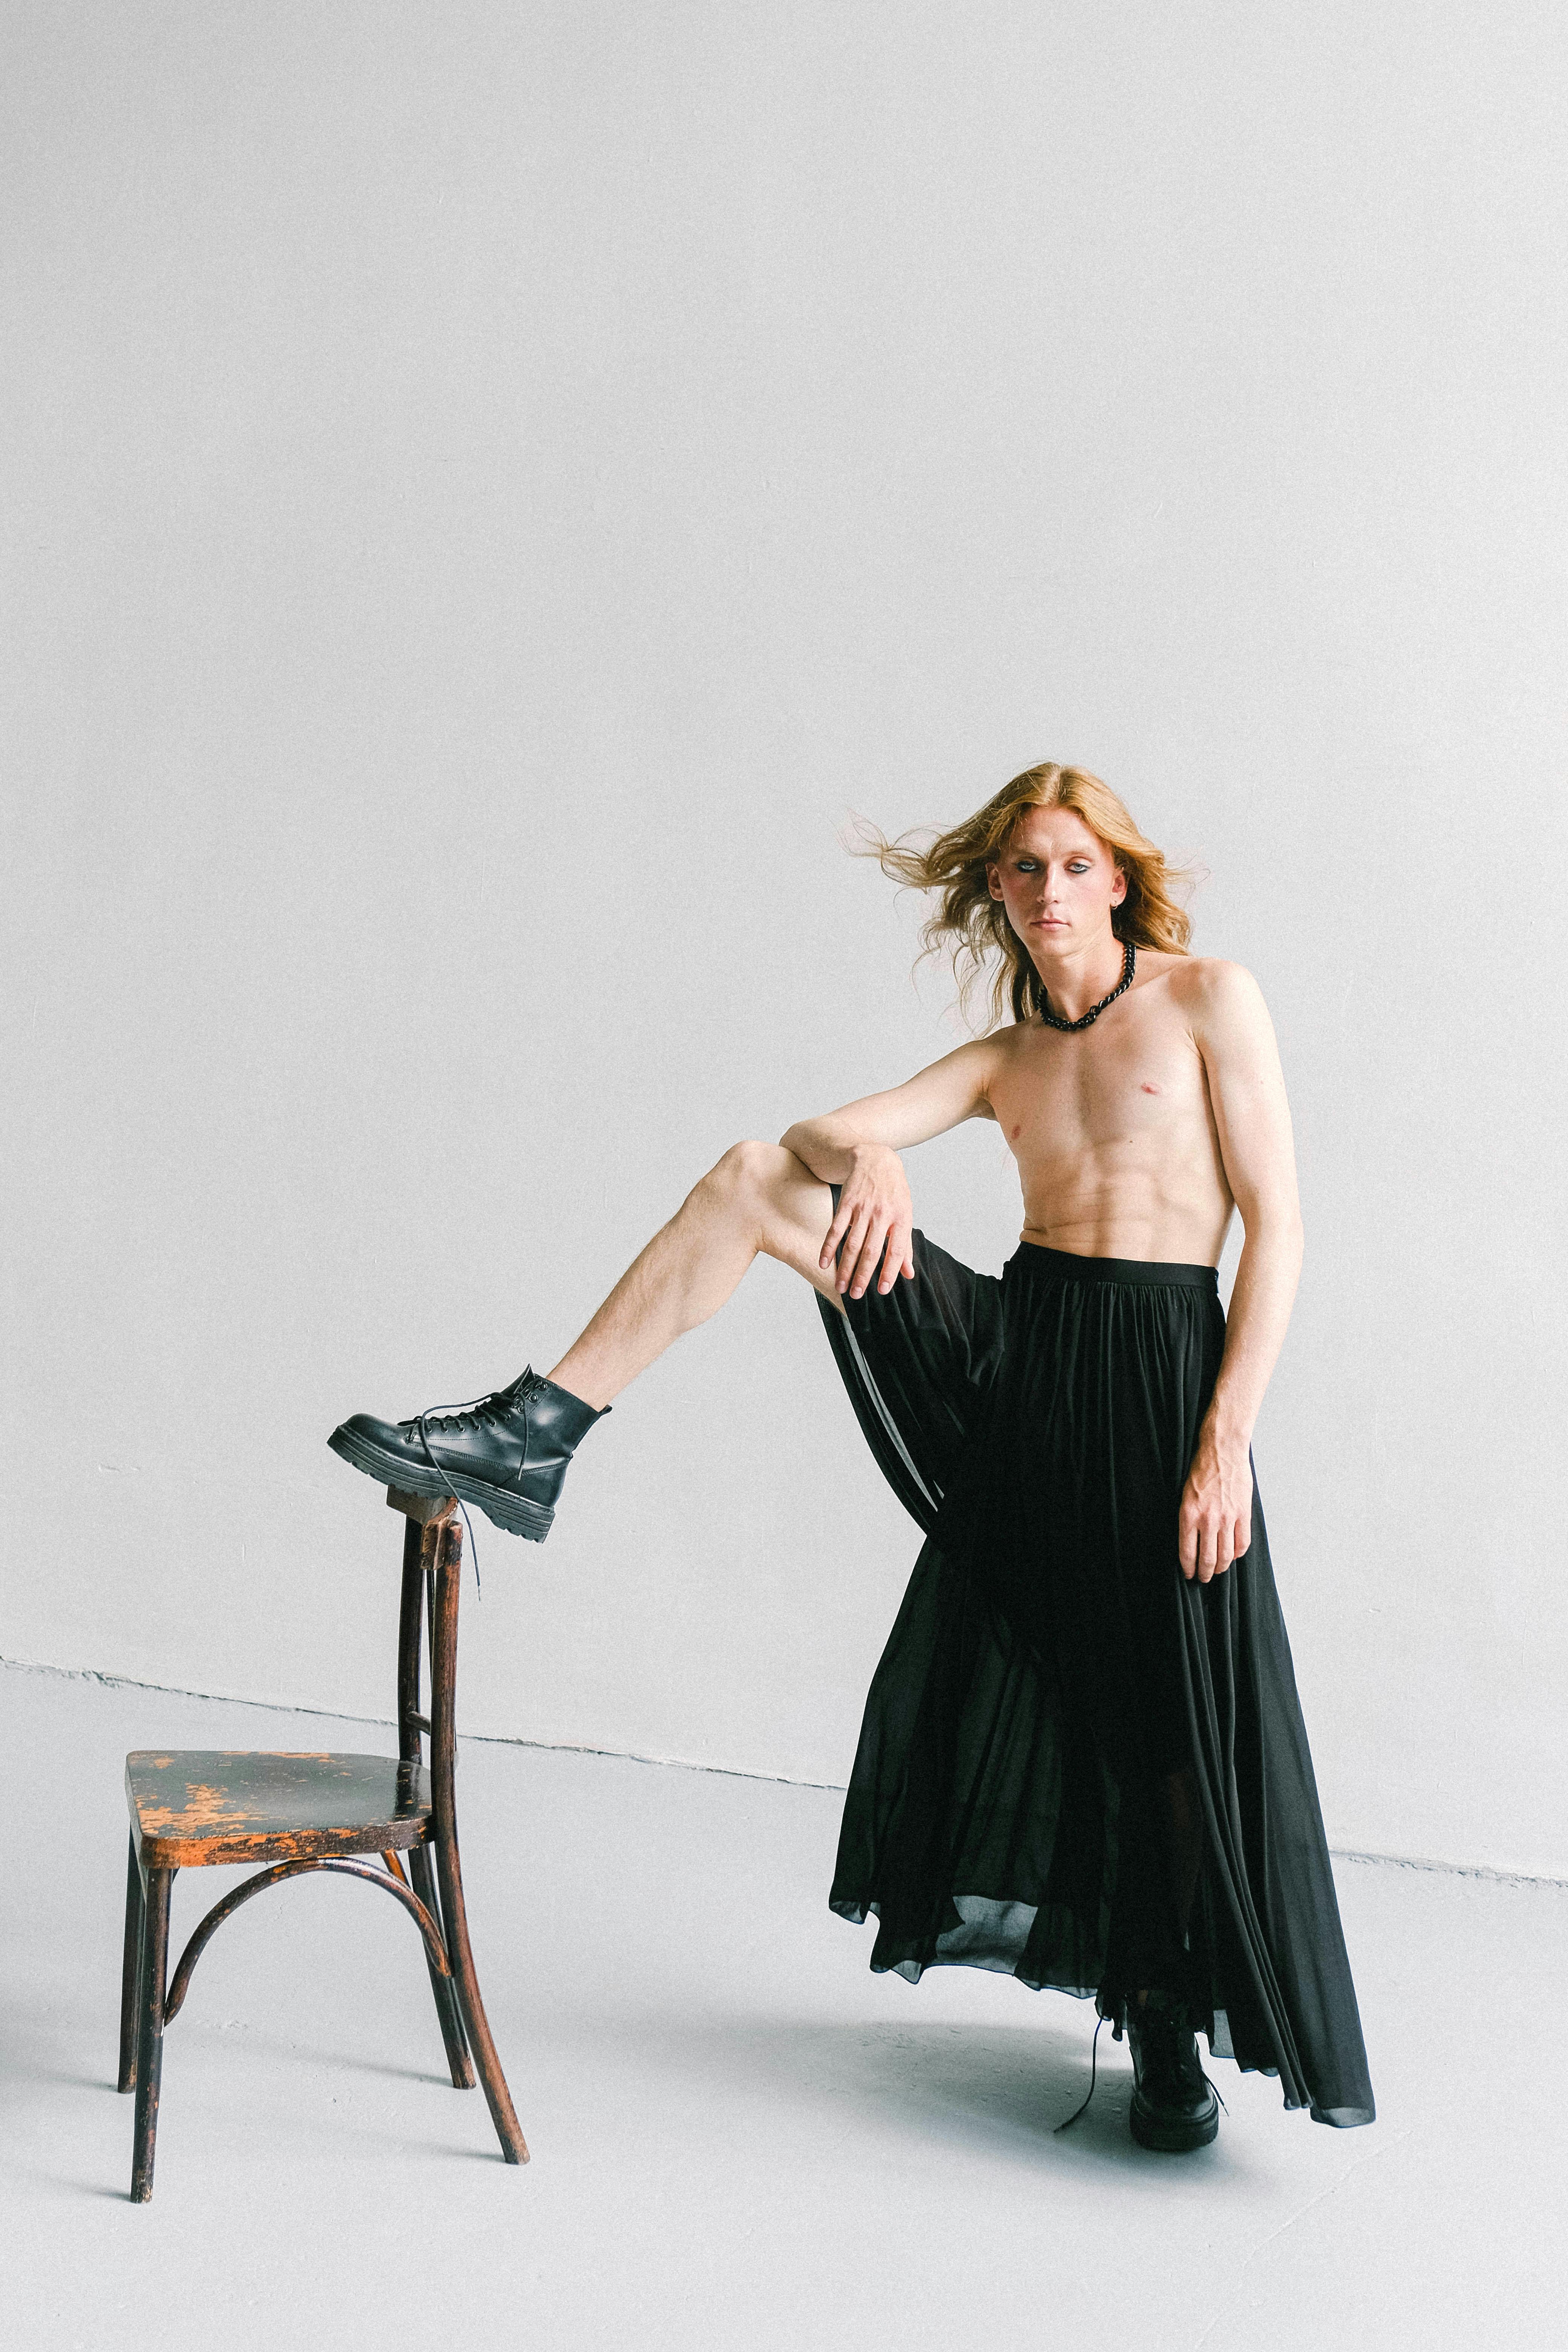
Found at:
<point>828,1144</point>
<point>1265,1280</point>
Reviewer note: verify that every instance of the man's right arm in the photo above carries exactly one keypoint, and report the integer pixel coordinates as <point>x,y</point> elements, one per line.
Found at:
<point>858,1148</point>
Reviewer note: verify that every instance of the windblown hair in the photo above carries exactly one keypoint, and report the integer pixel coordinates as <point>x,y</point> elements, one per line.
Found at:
<point>972,927</point>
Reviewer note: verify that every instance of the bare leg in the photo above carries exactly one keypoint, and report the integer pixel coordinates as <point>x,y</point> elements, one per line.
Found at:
<point>758,1200</point>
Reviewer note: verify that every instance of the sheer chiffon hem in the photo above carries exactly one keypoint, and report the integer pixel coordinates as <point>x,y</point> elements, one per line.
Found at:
<point>971,1947</point>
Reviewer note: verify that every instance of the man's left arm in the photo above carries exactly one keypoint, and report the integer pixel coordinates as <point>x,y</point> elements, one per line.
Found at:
<point>1246,1089</point>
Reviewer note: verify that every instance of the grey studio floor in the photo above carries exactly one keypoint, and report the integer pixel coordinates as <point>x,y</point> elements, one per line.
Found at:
<point>740,2138</point>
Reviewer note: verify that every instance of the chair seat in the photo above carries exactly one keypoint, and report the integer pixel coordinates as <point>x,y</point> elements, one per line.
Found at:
<point>194,1807</point>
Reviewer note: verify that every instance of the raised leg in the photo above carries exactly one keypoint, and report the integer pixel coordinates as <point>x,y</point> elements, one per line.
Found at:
<point>154,1971</point>
<point>131,1971</point>
<point>447,2011</point>
<point>758,1200</point>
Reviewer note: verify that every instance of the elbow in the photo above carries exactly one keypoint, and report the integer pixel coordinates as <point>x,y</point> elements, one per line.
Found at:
<point>1276,1226</point>
<point>1283,1221</point>
<point>799,1140</point>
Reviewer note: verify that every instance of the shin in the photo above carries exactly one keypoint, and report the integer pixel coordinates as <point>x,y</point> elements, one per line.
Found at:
<point>758,1199</point>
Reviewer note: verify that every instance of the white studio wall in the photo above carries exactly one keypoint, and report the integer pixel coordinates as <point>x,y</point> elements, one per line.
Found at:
<point>494,490</point>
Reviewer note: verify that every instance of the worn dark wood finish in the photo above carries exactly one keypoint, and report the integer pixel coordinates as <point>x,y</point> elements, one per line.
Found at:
<point>425,1510</point>
<point>201,1806</point>
<point>150,2036</point>
<point>292,1813</point>
<point>448,2015</point>
<point>419,1541</point>
<point>448,1866</point>
<point>411,1638</point>
<point>131,1971</point>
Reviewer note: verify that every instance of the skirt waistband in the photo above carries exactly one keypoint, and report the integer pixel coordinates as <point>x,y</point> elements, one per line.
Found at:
<point>1062,1265</point>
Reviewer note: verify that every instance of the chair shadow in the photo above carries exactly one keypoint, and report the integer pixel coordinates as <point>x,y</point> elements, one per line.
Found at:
<point>337,2062</point>
<point>62,2081</point>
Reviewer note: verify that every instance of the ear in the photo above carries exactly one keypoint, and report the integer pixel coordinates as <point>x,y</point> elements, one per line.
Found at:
<point>1119,887</point>
<point>993,882</point>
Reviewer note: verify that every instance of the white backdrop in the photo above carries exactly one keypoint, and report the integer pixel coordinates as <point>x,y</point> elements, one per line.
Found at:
<point>492,489</point>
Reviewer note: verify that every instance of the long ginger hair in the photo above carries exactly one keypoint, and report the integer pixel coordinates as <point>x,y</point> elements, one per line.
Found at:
<point>972,927</point>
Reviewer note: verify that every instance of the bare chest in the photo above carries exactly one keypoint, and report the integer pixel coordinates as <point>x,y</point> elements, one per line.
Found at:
<point>1124,1084</point>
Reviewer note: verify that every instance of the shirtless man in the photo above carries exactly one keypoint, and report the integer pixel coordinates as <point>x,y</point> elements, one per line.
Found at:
<point>1141,1094</point>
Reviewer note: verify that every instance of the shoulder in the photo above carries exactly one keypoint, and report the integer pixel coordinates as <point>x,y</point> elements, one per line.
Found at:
<point>1005,1038</point>
<point>961,1079</point>
<point>1227,1018</point>
<point>1216,993</point>
<point>976,1053</point>
<point>991,1055</point>
<point>1003,1046</point>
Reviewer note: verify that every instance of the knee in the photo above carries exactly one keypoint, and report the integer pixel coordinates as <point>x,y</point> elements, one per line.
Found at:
<point>748,1171</point>
<point>748,1185</point>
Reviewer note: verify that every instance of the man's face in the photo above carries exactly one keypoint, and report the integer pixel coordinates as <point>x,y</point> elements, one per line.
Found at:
<point>1057,881</point>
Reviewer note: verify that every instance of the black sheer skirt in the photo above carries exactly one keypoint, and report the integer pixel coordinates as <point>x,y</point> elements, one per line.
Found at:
<point>1076,1767</point>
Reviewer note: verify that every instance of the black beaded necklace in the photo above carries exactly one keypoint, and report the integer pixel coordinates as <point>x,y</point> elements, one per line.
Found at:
<point>1128,963</point>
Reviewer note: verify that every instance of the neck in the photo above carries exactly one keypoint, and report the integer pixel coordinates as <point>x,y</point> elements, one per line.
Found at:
<point>1080,976</point>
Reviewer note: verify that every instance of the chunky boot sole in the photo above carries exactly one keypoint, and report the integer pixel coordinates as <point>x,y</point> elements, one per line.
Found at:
<point>515,1513</point>
<point>1172,2135</point>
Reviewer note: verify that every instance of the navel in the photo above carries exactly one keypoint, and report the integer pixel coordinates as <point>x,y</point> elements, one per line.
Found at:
<point>1014,1133</point>
<point>1150,1089</point>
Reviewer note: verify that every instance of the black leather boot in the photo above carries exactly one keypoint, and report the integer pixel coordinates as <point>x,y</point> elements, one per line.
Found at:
<point>1173,2103</point>
<point>507,1453</point>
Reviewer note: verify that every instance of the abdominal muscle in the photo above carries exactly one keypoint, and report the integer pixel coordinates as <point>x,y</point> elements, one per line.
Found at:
<point>1159,1195</point>
<point>1114,1134</point>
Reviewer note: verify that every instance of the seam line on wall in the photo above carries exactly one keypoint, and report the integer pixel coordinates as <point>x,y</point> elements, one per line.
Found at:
<point>388,1723</point>
<point>1369,1854</point>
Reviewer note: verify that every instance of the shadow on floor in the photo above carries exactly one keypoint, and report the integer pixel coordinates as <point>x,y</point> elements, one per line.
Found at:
<point>1005,2088</point>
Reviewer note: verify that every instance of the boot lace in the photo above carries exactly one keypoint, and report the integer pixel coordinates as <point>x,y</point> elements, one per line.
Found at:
<point>479,1412</point>
<point>1093,2061</point>
<point>483,1413</point>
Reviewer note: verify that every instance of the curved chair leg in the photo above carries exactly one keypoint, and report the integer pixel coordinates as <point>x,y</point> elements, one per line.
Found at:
<point>154,1973</point>
<point>459,1951</point>
<point>447,2009</point>
<point>130,1971</point>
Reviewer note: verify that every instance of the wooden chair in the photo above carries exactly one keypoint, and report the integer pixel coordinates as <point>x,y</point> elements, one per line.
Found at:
<point>299,1812</point>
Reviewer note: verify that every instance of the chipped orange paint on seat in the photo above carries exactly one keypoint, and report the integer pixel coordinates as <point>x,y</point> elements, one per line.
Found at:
<point>206,1806</point>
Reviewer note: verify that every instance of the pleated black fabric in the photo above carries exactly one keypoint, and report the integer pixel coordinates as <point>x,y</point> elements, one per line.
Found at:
<point>1052,1678</point>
